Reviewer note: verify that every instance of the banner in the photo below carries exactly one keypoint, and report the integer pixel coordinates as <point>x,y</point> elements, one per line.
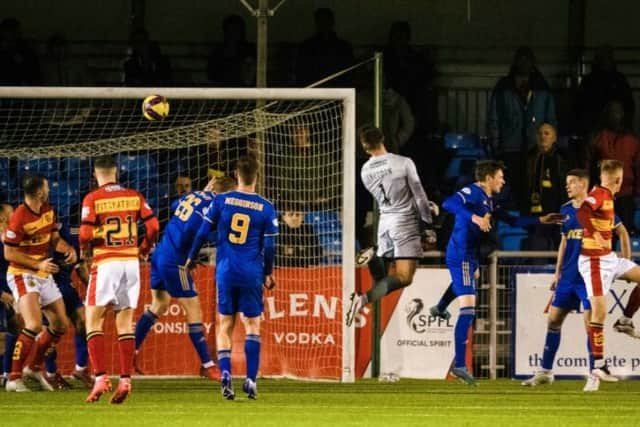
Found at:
<point>415,344</point>
<point>532,295</point>
<point>301,332</point>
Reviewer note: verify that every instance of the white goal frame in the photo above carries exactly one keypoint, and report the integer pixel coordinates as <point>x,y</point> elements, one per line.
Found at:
<point>346,96</point>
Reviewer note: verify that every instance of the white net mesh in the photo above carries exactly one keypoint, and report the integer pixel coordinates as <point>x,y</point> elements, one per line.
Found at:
<point>299,144</point>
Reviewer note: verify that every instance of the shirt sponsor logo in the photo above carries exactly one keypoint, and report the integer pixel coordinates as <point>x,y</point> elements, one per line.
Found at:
<point>11,234</point>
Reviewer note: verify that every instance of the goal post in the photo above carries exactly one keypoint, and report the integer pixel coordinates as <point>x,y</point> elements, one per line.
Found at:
<point>56,131</point>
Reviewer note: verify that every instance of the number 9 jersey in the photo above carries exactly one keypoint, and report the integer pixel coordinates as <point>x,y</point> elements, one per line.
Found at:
<point>244,221</point>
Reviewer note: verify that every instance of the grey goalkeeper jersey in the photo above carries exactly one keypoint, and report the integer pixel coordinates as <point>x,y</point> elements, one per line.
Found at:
<point>393,181</point>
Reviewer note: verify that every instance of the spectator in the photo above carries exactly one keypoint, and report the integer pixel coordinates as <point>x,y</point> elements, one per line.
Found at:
<point>547,172</point>
<point>232,63</point>
<point>18,62</point>
<point>60,68</point>
<point>408,72</point>
<point>520,102</point>
<point>298,244</point>
<point>615,141</point>
<point>324,53</point>
<point>145,64</point>
<point>598,88</point>
<point>399,123</point>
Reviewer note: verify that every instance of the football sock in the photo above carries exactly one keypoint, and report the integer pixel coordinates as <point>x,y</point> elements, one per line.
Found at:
<point>633,303</point>
<point>9,344</point>
<point>80,342</point>
<point>252,354</point>
<point>45,341</point>
<point>126,348</point>
<point>50,360</point>
<point>446,299</point>
<point>551,344</point>
<point>383,287</point>
<point>224,361</point>
<point>143,326</point>
<point>461,334</point>
<point>596,336</point>
<point>23,346</point>
<point>95,344</point>
<point>590,353</point>
<point>377,268</point>
<point>196,333</point>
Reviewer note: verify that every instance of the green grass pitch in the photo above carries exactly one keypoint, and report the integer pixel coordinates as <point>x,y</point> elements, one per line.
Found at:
<point>283,403</point>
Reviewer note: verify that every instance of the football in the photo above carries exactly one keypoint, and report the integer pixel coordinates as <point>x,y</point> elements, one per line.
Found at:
<point>155,107</point>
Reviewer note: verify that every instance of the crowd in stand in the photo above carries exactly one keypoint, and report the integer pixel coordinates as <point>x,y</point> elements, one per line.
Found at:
<point>522,123</point>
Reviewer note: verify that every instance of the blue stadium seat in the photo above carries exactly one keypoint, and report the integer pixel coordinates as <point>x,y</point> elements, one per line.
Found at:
<point>136,167</point>
<point>636,219</point>
<point>158,196</point>
<point>328,228</point>
<point>63,195</point>
<point>457,141</point>
<point>49,167</point>
<point>511,242</point>
<point>77,168</point>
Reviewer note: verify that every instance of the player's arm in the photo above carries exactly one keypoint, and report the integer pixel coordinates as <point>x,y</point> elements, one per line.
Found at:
<point>625,241</point>
<point>61,245</point>
<point>152,227</point>
<point>422,201</point>
<point>87,224</point>
<point>209,218</point>
<point>82,270</point>
<point>269,248</point>
<point>457,205</point>
<point>560,260</point>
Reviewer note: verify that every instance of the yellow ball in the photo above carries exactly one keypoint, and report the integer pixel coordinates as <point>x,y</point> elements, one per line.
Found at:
<point>155,107</point>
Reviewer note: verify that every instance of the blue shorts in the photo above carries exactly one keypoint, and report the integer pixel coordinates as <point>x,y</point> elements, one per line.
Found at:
<point>463,275</point>
<point>167,275</point>
<point>568,296</point>
<point>240,299</point>
<point>71,298</point>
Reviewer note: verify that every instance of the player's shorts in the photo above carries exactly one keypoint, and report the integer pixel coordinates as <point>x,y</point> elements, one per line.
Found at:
<point>599,272</point>
<point>23,283</point>
<point>569,296</point>
<point>240,299</point>
<point>463,275</point>
<point>167,275</point>
<point>71,298</point>
<point>399,237</point>
<point>116,283</point>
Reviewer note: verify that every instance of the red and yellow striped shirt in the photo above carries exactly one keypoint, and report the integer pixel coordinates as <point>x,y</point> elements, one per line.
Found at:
<point>109,219</point>
<point>31,233</point>
<point>597,214</point>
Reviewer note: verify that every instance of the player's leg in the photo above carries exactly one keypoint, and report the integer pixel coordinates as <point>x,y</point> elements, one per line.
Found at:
<point>193,312</point>
<point>160,300</point>
<point>250,304</point>
<point>57,323</point>
<point>127,293</point>
<point>462,275</point>
<point>228,298</point>
<point>624,324</point>
<point>81,370</point>
<point>29,307</point>
<point>226,323</point>
<point>551,343</point>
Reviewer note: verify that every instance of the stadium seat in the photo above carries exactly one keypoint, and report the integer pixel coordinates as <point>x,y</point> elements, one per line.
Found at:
<point>63,195</point>
<point>77,168</point>
<point>511,242</point>
<point>457,141</point>
<point>49,167</point>
<point>328,228</point>
<point>136,167</point>
<point>636,219</point>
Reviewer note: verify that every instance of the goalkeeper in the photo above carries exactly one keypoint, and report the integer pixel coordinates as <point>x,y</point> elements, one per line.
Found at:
<point>393,181</point>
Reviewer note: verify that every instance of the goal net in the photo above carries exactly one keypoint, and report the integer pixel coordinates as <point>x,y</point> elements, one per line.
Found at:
<point>304,141</point>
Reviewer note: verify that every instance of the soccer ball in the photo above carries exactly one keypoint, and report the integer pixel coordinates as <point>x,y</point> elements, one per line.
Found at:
<point>155,107</point>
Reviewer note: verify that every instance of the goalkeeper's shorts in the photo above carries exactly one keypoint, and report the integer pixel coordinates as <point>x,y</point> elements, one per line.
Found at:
<point>399,237</point>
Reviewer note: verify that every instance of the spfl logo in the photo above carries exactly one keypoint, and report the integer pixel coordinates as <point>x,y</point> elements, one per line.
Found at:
<point>413,309</point>
<point>419,321</point>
